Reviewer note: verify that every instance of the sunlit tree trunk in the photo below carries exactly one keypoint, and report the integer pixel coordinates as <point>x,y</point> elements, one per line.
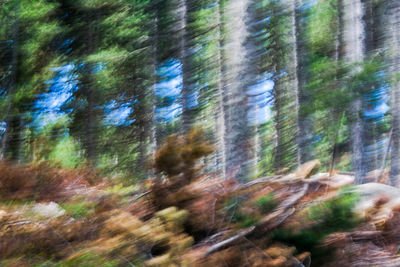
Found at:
<point>153,134</point>
<point>220,116</point>
<point>238,143</point>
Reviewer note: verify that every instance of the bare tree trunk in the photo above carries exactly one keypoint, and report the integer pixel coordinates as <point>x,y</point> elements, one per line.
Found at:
<point>153,134</point>
<point>394,44</point>
<point>354,34</point>
<point>304,135</point>
<point>186,94</point>
<point>91,119</point>
<point>220,112</point>
<point>236,131</point>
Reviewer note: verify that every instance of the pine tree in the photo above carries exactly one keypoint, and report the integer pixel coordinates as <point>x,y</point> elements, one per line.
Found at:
<point>27,54</point>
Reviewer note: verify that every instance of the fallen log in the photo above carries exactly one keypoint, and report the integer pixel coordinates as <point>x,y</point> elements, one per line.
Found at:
<point>267,179</point>
<point>271,221</point>
<point>337,238</point>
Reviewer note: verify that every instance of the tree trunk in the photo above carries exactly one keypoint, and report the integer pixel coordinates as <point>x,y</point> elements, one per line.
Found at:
<point>153,134</point>
<point>221,86</point>
<point>354,35</point>
<point>304,134</point>
<point>186,94</point>
<point>9,141</point>
<point>236,130</point>
<point>89,92</point>
<point>394,44</point>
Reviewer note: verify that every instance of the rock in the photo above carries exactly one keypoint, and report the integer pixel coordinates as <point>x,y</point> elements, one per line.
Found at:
<point>49,210</point>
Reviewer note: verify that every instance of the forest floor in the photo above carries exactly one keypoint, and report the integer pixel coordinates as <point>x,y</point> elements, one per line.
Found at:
<point>297,219</point>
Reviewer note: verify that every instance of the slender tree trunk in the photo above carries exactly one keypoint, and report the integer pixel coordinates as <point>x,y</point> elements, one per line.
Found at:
<point>236,130</point>
<point>285,98</point>
<point>91,116</point>
<point>186,94</point>
<point>9,139</point>
<point>394,44</point>
<point>252,77</point>
<point>354,34</point>
<point>221,86</point>
<point>154,134</point>
<point>295,78</point>
<point>304,135</point>
<point>372,21</point>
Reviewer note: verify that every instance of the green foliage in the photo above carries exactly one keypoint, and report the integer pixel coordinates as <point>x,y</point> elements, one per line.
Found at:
<point>323,27</point>
<point>78,210</point>
<point>266,164</point>
<point>266,203</point>
<point>244,217</point>
<point>244,220</point>
<point>86,259</point>
<point>121,190</point>
<point>66,153</point>
<point>335,214</point>
<point>328,217</point>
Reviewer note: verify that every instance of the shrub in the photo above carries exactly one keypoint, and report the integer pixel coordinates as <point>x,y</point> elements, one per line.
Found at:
<point>177,158</point>
<point>266,203</point>
<point>331,216</point>
<point>28,181</point>
<point>78,210</point>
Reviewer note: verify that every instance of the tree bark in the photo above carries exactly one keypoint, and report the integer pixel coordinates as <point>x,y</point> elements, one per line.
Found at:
<point>394,44</point>
<point>221,86</point>
<point>304,134</point>
<point>89,92</point>
<point>186,94</point>
<point>353,37</point>
<point>236,130</point>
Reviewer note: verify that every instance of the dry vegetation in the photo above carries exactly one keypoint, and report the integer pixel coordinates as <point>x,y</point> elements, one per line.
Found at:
<point>189,219</point>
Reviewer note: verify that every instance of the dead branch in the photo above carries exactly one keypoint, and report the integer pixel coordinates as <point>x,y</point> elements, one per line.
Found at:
<point>337,238</point>
<point>229,241</point>
<point>258,181</point>
<point>271,221</point>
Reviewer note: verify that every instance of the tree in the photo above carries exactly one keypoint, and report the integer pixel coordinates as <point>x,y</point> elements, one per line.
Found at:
<point>27,55</point>
<point>394,44</point>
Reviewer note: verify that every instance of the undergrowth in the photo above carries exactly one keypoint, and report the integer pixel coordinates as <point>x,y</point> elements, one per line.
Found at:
<point>331,216</point>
